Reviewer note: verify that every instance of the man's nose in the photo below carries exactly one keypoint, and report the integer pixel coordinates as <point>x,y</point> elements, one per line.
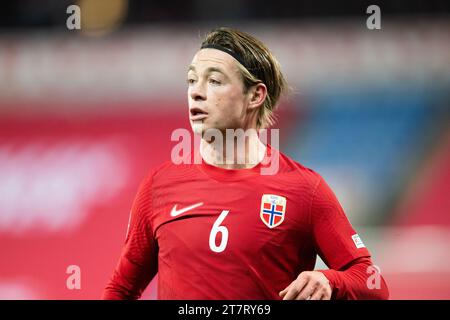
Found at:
<point>197,92</point>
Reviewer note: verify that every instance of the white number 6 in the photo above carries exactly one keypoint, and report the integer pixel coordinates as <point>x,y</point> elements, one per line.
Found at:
<point>215,230</point>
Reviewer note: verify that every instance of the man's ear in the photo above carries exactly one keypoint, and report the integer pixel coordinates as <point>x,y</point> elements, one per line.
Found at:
<point>258,94</point>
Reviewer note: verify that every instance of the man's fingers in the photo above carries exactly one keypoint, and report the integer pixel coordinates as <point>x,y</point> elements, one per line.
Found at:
<point>318,294</point>
<point>308,291</point>
<point>283,292</point>
<point>291,293</point>
<point>308,286</point>
<point>295,287</point>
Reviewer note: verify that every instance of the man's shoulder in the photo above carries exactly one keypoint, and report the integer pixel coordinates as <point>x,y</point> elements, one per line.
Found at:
<point>167,170</point>
<point>298,171</point>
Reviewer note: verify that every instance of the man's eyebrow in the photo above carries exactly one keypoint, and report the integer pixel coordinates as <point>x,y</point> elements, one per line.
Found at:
<point>215,69</point>
<point>209,70</point>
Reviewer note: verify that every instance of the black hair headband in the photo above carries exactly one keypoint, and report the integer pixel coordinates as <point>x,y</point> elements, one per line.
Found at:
<point>235,55</point>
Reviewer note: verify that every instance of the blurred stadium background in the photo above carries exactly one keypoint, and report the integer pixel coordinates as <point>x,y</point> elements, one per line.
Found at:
<point>85,114</point>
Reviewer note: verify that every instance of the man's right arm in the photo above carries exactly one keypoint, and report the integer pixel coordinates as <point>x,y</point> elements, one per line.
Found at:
<point>138,263</point>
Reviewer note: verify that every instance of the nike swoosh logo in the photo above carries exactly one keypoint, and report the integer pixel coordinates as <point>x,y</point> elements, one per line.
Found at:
<point>174,212</point>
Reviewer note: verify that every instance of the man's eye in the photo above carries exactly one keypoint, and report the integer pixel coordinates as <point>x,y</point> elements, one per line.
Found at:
<point>214,81</point>
<point>190,81</point>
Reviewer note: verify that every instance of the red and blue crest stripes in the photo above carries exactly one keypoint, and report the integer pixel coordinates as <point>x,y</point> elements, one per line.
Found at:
<point>273,209</point>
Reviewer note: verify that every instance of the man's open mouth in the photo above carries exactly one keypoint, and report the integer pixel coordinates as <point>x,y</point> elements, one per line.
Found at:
<point>197,114</point>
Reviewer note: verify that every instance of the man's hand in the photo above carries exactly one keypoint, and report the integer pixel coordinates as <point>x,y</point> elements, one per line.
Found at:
<point>309,285</point>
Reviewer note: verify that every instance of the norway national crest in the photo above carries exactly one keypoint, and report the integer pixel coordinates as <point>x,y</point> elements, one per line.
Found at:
<point>273,209</point>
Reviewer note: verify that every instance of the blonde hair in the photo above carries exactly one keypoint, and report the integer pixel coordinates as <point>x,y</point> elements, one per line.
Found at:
<point>260,67</point>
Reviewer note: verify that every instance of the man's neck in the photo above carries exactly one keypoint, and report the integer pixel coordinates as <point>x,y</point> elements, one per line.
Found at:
<point>233,155</point>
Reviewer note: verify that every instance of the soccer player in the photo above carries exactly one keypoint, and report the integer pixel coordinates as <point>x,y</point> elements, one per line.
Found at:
<point>220,229</point>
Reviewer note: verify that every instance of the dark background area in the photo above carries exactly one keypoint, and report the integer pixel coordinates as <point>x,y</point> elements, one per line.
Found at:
<point>47,13</point>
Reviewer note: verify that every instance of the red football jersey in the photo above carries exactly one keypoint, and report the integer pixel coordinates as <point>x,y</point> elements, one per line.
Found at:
<point>214,233</point>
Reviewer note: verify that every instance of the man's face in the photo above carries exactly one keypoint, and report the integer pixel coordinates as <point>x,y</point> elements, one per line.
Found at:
<point>215,92</point>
